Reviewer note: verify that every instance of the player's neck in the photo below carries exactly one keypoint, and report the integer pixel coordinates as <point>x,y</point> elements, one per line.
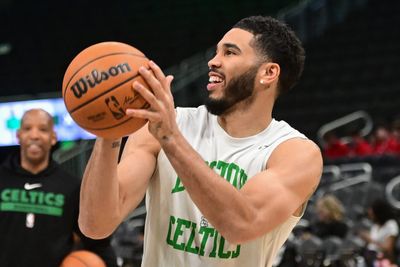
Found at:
<point>247,121</point>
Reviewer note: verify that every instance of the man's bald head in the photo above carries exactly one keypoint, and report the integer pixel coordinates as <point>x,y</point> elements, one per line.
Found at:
<point>39,113</point>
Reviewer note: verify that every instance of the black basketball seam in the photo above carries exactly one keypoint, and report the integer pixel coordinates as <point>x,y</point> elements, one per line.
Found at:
<point>145,105</point>
<point>108,127</point>
<point>97,58</point>
<point>103,93</point>
<point>79,259</point>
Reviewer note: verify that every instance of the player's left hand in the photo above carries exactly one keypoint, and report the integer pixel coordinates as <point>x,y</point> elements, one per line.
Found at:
<point>161,114</point>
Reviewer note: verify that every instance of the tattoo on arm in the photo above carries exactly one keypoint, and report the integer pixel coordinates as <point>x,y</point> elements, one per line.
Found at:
<point>116,144</point>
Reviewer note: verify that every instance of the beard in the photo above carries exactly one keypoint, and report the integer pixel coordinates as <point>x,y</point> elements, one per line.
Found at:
<point>239,90</point>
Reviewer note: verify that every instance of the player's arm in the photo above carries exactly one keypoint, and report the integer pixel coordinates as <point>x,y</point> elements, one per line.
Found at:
<point>110,191</point>
<point>265,201</point>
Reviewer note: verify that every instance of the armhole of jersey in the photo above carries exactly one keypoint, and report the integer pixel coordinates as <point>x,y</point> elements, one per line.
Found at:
<point>276,144</point>
<point>303,210</point>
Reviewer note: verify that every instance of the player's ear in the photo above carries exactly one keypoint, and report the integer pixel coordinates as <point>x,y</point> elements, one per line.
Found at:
<point>269,73</point>
<point>53,138</point>
<point>18,134</point>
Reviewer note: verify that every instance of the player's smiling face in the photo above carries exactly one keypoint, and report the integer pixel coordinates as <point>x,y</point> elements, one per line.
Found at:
<point>232,71</point>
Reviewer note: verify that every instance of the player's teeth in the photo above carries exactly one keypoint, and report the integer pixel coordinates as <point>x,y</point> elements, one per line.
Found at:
<point>215,79</point>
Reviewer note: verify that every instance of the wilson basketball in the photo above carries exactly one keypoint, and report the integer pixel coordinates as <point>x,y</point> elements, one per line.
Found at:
<point>97,89</point>
<point>82,258</point>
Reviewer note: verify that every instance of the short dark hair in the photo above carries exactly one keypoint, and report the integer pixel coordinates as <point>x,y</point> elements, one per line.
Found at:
<point>279,44</point>
<point>382,211</point>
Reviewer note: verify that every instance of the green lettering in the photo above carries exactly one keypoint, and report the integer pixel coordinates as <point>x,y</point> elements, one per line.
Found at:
<point>59,200</point>
<point>41,198</point>
<point>222,166</point>
<point>233,167</point>
<point>236,253</point>
<point>213,164</point>
<point>5,195</point>
<point>178,186</point>
<point>213,253</point>
<point>206,232</point>
<point>221,253</point>
<point>171,222</point>
<point>14,195</point>
<point>189,247</point>
<point>178,237</point>
<point>33,196</point>
<point>229,171</point>
<point>243,178</point>
<point>49,199</point>
<point>24,198</point>
<point>178,232</point>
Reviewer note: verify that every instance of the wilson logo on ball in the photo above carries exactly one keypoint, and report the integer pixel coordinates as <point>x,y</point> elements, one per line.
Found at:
<point>81,86</point>
<point>97,89</point>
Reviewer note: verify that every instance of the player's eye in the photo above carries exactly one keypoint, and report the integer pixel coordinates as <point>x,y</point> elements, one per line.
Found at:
<point>229,52</point>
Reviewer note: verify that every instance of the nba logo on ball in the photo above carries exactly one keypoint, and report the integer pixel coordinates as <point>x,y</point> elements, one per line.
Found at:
<point>97,89</point>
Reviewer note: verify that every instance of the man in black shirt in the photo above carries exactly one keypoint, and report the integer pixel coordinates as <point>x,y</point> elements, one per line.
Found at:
<point>39,202</point>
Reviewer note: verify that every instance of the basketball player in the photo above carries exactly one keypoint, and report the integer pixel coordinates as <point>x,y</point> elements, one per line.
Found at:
<point>39,202</point>
<point>225,183</point>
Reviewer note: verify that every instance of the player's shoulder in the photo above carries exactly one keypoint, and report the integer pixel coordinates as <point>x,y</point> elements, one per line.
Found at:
<point>297,151</point>
<point>293,145</point>
<point>300,145</point>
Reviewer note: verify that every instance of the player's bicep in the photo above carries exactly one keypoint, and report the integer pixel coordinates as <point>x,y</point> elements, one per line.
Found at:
<point>292,175</point>
<point>136,167</point>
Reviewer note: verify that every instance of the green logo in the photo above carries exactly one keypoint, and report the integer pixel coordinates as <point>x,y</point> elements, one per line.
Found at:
<point>229,171</point>
<point>38,202</point>
<point>179,227</point>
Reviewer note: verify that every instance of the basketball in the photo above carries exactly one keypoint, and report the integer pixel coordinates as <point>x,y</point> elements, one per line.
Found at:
<point>97,89</point>
<point>82,258</point>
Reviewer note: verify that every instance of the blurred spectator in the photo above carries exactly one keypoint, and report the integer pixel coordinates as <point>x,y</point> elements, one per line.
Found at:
<point>330,218</point>
<point>334,147</point>
<point>381,238</point>
<point>396,133</point>
<point>359,146</point>
<point>384,142</point>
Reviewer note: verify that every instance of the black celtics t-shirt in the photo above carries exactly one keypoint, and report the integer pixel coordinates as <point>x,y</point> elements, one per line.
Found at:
<point>38,213</point>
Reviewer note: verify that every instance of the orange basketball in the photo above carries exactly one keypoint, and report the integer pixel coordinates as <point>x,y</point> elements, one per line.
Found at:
<point>82,258</point>
<point>97,89</point>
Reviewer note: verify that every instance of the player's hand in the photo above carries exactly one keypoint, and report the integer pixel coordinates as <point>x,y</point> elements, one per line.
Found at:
<point>161,114</point>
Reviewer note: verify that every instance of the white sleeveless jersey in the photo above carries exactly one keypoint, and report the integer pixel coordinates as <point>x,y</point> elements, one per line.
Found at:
<point>176,232</point>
